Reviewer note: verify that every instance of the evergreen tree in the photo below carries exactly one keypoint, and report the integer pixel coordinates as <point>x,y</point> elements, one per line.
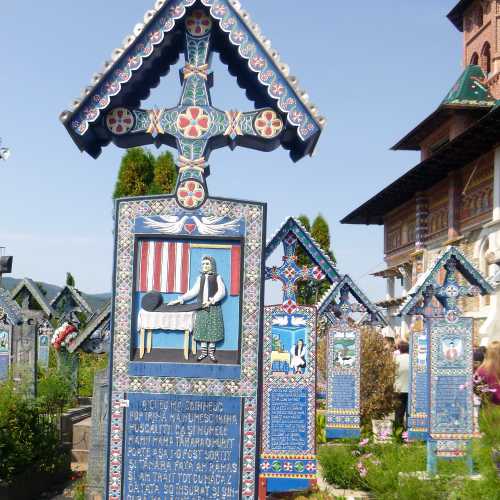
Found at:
<point>136,173</point>
<point>70,281</point>
<point>321,233</point>
<point>165,175</point>
<point>142,174</point>
<point>309,292</point>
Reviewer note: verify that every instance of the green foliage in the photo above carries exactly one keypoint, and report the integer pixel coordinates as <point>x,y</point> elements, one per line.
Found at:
<point>54,390</point>
<point>89,365</point>
<point>165,175</point>
<point>394,471</point>
<point>70,280</point>
<point>80,488</point>
<point>309,292</point>
<point>320,231</point>
<point>339,467</point>
<point>142,174</point>
<point>490,424</point>
<point>320,428</point>
<point>377,377</point>
<point>136,173</point>
<point>28,438</point>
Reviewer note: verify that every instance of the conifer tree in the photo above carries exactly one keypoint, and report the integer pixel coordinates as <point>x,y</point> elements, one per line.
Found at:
<point>165,174</point>
<point>136,173</point>
<point>70,280</point>
<point>309,292</point>
<point>142,174</point>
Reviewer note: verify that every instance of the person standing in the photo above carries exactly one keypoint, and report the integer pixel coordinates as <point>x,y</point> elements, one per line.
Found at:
<point>209,290</point>
<point>402,361</point>
<point>489,370</point>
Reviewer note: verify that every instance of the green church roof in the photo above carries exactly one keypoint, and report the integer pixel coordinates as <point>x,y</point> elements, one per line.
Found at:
<point>470,90</point>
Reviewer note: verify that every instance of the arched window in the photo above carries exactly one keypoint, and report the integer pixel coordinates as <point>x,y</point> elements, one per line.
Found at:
<point>486,58</point>
<point>474,59</point>
<point>479,16</point>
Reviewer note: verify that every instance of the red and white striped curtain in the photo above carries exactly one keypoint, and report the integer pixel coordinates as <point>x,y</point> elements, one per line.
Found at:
<point>164,267</point>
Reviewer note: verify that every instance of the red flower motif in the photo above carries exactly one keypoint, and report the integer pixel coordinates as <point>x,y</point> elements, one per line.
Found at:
<point>119,121</point>
<point>198,24</point>
<point>193,123</point>
<point>268,124</point>
<point>191,194</point>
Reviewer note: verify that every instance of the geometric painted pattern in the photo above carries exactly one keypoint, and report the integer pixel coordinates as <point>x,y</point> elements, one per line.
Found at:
<point>241,34</point>
<point>306,380</point>
<point>128,210</point>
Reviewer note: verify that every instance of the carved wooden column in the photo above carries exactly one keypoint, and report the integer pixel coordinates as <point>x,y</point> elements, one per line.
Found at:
<point>453,206</point>
<point>422,213</point>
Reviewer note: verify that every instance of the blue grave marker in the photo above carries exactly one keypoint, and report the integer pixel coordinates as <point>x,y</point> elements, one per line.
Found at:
<point>188,271</point>
<point>448,426</point>
<point>288,455</point>
<point>344,355</point>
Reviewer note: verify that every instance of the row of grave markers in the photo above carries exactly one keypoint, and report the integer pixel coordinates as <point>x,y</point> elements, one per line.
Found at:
<point>213,395</point>
<point>440,399</point>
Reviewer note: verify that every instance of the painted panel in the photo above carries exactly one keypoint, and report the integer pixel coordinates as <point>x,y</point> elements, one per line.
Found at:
<point>418,397</point>
<point>43,350</point>
<point>343,392</point>
<point>168,340</point>
<point>4,354</point>
<point>288,434</point>
<point>451,369</point>
<point>176,377</point>
<point>182,447</point>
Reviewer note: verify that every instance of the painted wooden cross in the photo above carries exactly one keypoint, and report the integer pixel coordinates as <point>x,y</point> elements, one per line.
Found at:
<point>342,309</point>
<point>195,127</point>
<point>447,294</point>
<point>290,272</point>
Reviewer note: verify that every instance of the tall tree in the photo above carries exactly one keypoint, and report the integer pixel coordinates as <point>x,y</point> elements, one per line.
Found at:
<point>70,280</point>
<point>136,173</point>
<point>142,174</point>
<point>321,233</point>
<point>309,292</point>
<point>165,174</point>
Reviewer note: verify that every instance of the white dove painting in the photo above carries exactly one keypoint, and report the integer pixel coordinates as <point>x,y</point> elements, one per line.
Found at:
<point>193,224</point>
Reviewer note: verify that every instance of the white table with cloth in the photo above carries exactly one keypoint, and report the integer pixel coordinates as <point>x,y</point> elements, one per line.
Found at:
<point>169,321</point>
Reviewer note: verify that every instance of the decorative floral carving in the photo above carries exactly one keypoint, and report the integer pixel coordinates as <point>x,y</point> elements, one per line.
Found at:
<point>198,23</point>
<point>191,194</point>
<point>268,124</point>
<point>193,122</point>
<point>120,121</point>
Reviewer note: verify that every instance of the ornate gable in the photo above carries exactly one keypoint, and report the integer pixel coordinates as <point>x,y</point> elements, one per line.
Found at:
<point>337,295</point>
<point>136,67</point>
<point>27,289</point>
<point>310,245</point>
<point>9,309</point>
<point>74,296</point>
<point>428,281</point>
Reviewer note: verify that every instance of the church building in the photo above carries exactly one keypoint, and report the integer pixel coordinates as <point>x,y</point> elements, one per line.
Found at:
<point>452,196</point>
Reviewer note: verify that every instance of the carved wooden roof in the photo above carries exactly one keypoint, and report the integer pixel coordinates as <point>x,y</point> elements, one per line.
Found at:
<point>148,53</point>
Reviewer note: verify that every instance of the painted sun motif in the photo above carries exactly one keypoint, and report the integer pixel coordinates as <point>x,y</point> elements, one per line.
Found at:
<point>120,121</point>
<point>190,194</point>
<point>198,24</point>
<point>193,122</point>
<point>268,124</point>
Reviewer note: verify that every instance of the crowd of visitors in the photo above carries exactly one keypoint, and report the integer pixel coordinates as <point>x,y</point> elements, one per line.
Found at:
<point>486,366</point>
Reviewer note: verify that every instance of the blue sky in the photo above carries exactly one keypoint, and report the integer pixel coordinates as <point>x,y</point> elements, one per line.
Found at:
<point>374,69</point>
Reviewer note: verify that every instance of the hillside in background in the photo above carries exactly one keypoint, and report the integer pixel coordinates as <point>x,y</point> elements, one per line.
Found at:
<point>96,301</point>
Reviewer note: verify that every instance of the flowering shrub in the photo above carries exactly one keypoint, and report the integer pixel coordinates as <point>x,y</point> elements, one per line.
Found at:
<point>481,388</point>
<point>377,377</point>
<point>29,438</point>
<point>64,335</point>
